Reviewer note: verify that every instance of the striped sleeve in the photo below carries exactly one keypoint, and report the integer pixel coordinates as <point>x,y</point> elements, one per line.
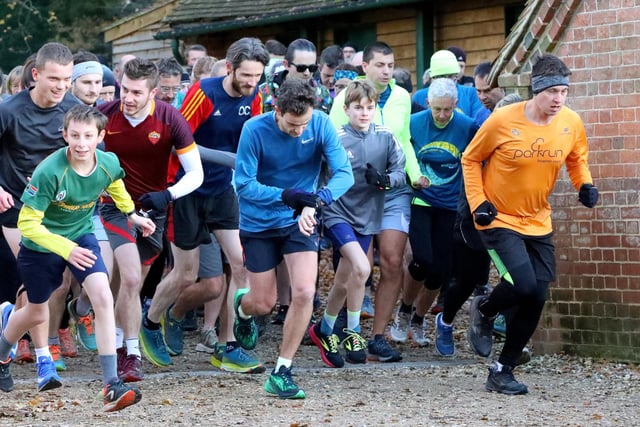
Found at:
<point>196,107</point>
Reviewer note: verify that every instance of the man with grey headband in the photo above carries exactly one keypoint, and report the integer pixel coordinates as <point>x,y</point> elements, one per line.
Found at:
<point>523,147</point>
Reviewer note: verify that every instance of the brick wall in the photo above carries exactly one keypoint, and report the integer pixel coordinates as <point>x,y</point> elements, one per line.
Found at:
<point>594,307</point>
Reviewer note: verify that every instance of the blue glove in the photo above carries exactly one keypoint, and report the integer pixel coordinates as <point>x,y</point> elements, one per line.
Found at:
<point>485,213</point>
<point>588,195</point>
<point>156,200</point>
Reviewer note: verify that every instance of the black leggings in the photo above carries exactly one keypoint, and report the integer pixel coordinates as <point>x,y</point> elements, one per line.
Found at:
<point>471,269</point>
<point>526,265</point>
<point>431,238</point>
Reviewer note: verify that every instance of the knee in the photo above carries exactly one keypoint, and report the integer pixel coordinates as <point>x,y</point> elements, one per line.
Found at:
<point>130,281</point>
<point>417,270</point>
<point>362,272</point>
<point>302,294</point>
<point>102,300</point>
<point>212,287</point>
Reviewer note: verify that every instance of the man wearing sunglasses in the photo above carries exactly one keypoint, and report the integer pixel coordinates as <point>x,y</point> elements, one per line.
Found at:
<point>299,61</point>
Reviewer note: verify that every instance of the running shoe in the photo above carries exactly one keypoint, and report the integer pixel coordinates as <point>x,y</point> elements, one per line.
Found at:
<point>153,346</point>
<point>67,346</point>
<point>173,333</point>
<point>190,322</point>
<point>328,346</point>
<point>444,337</point>
<point>525,357</point>
<point>216,356</point>
<point>239,360</point>
<point>57,358</point>
<point>23,353</point>
<point>84,327</point>
<point>419,333</point>
<point>500,326</point>
<point>278,318</point>
<point>480,332</point>
<point>355,347</point>
<point>6,380</point>
<point>129,366</point>
<point>245,330</point>
<point>117,395</point>
<point>399,330</point>
<point>6,308</point>
<point>48,378</point>
<point>281,384</point>
<point>367,311</point>
<point>208,341</point>
<point>503,381</point>
<point>381,351</point>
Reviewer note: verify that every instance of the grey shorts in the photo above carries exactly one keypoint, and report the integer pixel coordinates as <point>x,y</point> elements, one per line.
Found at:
<point>210,259</point>
<point>397,213</point>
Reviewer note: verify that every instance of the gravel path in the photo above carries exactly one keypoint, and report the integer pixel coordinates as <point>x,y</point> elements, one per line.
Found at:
<point>422,390</point>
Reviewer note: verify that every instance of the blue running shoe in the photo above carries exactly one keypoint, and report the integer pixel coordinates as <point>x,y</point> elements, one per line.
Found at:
<point>84,327</point>
<point>6,308</point>
<point>281,384</point>
<point>173,333</point>
<point>444,337</point>
<point>500,326</point>
<point>153,346</point>
<point>245,330</point>
<point>238,360</point>
<point>48,378</point>
<point>381,351</point>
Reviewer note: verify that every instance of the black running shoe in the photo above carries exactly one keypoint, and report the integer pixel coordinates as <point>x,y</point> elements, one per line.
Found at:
<point>503,381</point>
<point>118,395</point>
<point>328,345</point>
<point>355,347</point>
<point>480,332</point>
<point>6,380</point>
<point>245,330</point>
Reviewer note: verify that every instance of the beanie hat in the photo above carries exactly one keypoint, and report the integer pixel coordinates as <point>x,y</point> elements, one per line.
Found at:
<point>459,53</point>
<point>108,79</point>
<point>88,67</point>
<point>443,63</point>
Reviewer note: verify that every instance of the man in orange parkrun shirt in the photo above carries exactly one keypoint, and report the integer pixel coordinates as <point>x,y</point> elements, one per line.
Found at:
<point>523,146</point>
<point>142,132</point>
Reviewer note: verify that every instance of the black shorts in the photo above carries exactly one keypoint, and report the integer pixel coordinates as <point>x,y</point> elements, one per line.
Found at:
<point>41,272</point>
<point>194,217</point>
<point>263,251</point>
<point>9,218</point>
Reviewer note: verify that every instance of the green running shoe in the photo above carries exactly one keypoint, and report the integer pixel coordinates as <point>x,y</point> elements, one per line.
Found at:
<point>245,330</point>
<point>281,384</point>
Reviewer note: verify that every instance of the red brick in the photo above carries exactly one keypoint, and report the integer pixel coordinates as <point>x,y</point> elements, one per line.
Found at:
<point>631,297</point>
<point>608,269</point>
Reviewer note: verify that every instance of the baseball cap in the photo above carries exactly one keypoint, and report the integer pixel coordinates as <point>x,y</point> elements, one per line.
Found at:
<point>443,63</point>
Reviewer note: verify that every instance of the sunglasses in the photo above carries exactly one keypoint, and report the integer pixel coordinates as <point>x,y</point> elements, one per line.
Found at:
<point>301,67</point>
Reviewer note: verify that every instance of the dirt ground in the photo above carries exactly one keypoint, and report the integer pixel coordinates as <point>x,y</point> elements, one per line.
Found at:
<point>423,389</point>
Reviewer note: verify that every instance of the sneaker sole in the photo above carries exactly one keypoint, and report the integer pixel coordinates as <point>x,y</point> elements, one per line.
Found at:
<point>490,388</point>
<point>382,359</point>
<point>50,385</point>
<point>204,349</point>
<point>131,397</point>
<point>274,391</point>
<point>230,367</point>
<point>397,339</point>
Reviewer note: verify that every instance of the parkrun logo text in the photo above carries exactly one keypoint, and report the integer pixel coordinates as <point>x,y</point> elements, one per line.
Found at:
<point>537,152</point>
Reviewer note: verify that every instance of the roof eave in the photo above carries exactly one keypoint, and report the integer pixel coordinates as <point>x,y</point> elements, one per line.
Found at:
<point>261,20</point>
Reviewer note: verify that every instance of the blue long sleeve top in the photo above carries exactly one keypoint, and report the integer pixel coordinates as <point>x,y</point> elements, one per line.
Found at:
<point>270,160</point>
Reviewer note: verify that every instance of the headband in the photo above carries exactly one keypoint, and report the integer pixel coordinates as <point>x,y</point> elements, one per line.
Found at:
<point>344,74</point>
<point>540,83</point>
<point>88,67</point>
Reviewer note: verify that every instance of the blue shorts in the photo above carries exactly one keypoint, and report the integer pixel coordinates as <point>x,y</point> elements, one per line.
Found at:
<point>264,250</point>
<point>341,234</point>
<point>41,272</point>
<point>397,213</point>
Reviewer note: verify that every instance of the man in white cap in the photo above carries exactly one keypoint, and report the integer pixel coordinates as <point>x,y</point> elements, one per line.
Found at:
<point>86,81</point>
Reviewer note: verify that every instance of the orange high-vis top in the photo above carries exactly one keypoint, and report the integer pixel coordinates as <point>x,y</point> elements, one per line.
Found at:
<point>522,164</point>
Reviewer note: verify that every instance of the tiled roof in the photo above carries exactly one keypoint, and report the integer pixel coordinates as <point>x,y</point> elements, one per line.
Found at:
<point>197,11</point>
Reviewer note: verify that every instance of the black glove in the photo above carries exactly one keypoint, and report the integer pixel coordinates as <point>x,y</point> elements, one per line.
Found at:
<point>485,214</point>
<point>376,178</point>
<point>298,199</point>
<point>156,200</point>
<point>588,195</point>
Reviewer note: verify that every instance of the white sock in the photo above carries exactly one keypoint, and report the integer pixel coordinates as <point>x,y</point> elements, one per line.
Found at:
<point>283,362</point>
<point>43,351</point>
<point>133,346</point>
<point>498,366</point>
<point>242,314</point>
<point>119,337</point>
